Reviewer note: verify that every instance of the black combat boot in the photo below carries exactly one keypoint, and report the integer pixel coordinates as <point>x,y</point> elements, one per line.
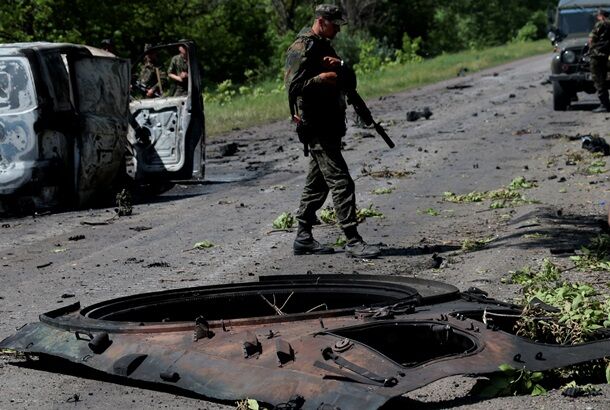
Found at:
<point>305,244</point>
<point>357,248</point>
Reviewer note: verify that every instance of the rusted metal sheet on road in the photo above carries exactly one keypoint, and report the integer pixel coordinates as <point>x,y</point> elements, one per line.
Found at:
<point>374,339</point>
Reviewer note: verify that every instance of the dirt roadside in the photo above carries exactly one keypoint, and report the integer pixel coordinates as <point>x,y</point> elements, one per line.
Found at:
<point>495,126</point>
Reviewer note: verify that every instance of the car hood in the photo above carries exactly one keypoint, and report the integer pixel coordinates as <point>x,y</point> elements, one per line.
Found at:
<point>573,42</point>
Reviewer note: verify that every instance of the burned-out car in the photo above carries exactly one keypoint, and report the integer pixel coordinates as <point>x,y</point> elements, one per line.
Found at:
<point>570,71</point>
<point>70,132</point>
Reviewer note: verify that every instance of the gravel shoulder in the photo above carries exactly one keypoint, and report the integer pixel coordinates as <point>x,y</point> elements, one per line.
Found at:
<point>487,129</point>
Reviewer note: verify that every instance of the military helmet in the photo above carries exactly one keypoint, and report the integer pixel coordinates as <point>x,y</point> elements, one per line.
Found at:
<point>332,13</point>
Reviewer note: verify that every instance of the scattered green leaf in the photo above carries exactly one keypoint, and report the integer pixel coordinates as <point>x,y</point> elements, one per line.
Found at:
<point>203,245</point>
<point>471,245</point>
<point>383,191</point>
<point>285,221</point>
<point>328,216</point>
<point>521,183</point>
<point>340,242</point>
<point>432,212</point>
<point>535,235</point>
<point>510,382</point>
<point>369,212</point>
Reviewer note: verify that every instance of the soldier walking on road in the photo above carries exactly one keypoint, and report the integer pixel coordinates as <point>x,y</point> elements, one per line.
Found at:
<point>599,50</point>
<point>318,105</point>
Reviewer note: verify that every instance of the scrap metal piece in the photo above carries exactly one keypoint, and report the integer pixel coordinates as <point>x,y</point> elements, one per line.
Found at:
<point>127,364</point>
<point>251,346</point>
<point>97,343</point>
<point>284,351</point>
<point>151,339</point>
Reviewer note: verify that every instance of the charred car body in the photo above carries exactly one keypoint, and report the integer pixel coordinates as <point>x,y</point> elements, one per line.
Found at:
<point>570,71</point>
<point>296,341</point>
<point>67,126</point>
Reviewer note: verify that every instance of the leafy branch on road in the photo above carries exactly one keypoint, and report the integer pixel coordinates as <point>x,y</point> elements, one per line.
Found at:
<point>285,221</point>
<point>329,216</point>
<point>595,256</point>
<point>501,198</point>
<point>472,245</point>
<point>558,311</point>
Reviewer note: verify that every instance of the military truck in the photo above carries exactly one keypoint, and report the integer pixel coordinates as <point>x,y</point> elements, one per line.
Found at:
<point>570,72</point>
<point>73,128</point>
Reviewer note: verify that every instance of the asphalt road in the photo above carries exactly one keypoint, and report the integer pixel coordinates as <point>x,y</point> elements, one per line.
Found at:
<point>486,129</point>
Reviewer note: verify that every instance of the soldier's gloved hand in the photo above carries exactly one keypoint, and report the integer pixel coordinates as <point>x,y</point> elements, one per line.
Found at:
<point>329,78</point>
<point>331,62</point>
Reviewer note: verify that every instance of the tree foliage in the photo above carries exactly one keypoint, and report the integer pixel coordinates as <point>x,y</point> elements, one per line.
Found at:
<point>236,37</point>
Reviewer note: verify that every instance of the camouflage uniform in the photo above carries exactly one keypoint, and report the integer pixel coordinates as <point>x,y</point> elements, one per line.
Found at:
<point>177,65</point>
<point>599,51</point>
<point>322,111</point>
<point>148,76</point>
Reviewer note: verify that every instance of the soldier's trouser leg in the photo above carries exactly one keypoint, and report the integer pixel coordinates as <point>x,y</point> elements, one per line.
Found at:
<point>599,71</point>
<point>336,177</point>
<point>314,194</point>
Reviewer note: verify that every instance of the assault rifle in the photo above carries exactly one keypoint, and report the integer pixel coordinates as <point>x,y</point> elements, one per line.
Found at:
<point>139,85</point>
<point>347,79</point>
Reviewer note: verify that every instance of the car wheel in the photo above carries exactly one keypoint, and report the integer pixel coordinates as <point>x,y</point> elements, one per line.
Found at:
<point>561,98</point>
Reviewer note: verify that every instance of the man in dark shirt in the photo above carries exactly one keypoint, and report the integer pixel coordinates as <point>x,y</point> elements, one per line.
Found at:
<point>318,107</point>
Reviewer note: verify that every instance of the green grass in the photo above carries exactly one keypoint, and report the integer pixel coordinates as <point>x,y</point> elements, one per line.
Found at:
<point>248,110</point>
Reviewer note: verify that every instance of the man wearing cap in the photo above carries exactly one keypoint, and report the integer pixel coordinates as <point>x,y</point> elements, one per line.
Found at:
<point>318,107</point>
<point>599,49</point>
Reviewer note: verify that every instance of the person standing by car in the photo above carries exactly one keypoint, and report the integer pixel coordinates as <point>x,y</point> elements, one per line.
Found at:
<point>599,50</point>
<point>318,106</point>
<point>178,71</point>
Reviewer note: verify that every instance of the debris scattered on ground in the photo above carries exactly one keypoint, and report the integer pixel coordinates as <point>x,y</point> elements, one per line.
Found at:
<point>140,228</point>
<point>76,238</point>
<point>328,216</point>
<point>157,265</point>
<point>525,131</point>
<point>574,390</point>
<point>432,212</point>
<point>369,212</point>
<point>559,136</point>
<point>341,241</point>
<point>124,203</point>
<point>132,260</point>
<point>67,295</point>
<point>594,143</point>
<point>203,245</point>
<point>384,173</point>
<point>383,191</point>
<point>509,382</point>
<point>416,115</point>
<point>44,265</point>
<point>459,86</point>
<point>501,198</point>
<point>472,245</point>
<point>285,221</point>
<point>228,150</point>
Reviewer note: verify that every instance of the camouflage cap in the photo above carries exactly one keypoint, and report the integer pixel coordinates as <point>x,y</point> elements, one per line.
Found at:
<point>603,12</point>
<point>331,13</point>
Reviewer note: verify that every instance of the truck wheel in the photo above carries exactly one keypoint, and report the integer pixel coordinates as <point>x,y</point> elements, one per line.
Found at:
<point>561,98</point>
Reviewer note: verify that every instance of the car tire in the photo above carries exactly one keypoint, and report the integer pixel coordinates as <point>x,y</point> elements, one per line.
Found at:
<point>561,98</point>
